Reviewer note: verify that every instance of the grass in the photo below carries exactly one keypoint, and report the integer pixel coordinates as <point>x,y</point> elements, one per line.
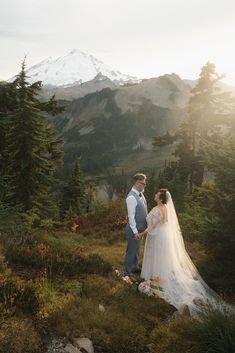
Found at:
<point>146,158</point>
<point>130,322</point>
<point>110,247</point>
<point>127,319</point>
<point>215,333</point>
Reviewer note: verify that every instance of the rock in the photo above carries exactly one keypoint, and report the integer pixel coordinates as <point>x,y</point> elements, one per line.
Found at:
<point>101,308</point>
<point>71,349</point>
<point>56,345</point>
<point>83,350</point>
<point>174,316</point>
<point>84,344</point>
<point>184,310</point>
<point>151,348</point>
<point>62,345</point>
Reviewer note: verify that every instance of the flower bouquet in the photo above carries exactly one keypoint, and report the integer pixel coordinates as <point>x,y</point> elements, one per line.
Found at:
<point>151,287</point>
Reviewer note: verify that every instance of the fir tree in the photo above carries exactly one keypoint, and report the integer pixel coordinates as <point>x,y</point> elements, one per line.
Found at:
<point>90,194</point>
<point>73,199</point>
<point>150,190</point>
<point>208,108</point>
<point>32,149</point>
<point>171,178</point>
<point>221,238</point>
<point>7,103</point>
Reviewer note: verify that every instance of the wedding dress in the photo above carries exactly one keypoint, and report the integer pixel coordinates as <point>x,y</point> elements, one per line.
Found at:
<point>167,262</point>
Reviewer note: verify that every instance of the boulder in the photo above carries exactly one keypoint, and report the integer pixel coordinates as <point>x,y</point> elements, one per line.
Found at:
<point>83,344</point>
<point>69,348</point>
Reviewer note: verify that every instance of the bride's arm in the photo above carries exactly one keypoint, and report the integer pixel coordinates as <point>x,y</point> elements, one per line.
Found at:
<point>153,222</point>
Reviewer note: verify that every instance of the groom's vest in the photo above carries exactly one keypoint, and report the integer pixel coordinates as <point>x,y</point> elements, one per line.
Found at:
<point>140,212</point>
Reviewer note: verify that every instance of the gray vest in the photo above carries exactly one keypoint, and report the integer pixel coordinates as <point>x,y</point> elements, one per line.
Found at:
<point>140,212</point>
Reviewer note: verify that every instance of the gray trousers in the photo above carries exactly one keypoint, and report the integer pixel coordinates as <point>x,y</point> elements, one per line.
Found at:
<point>132,252</point>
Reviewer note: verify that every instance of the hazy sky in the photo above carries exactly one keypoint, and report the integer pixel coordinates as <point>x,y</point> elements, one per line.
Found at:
<point>144,38</point>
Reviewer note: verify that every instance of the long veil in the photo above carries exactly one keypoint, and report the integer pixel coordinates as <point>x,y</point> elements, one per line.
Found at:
<point>184,285</point>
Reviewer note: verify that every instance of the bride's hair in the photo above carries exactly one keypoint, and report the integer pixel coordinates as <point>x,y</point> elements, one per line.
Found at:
<point>163,195</point>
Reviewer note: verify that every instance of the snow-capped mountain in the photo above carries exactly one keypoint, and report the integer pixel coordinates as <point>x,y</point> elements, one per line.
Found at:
<point>74,68</point>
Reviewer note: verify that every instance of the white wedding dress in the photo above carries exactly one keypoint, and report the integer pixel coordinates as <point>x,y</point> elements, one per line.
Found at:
<point>166,259</point>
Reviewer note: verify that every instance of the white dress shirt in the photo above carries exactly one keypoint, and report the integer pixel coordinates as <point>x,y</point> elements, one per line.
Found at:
<point>131,206</point>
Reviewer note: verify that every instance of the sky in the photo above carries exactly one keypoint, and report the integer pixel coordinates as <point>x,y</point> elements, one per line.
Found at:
<point>143,38</point>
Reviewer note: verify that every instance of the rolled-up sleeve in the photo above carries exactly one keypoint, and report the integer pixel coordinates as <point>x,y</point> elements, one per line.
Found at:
<point>131,206</point>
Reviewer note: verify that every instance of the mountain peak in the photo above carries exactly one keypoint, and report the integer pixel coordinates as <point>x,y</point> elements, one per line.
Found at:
<point>76,66</point>
<point>73,51</point>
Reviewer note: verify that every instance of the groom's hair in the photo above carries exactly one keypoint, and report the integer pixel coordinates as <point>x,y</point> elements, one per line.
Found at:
<point>139,177</point>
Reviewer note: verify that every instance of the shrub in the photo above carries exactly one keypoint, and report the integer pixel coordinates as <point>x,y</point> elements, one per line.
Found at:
<point>104,216</point>
<point>173,337</point>
<point>3,265</point>
<point>19,336</point>
<point>17,295</point>
<point>215,333</point>
<point>53,262</point>
<point>48,223</point>
<point>100,207</point>
<point>16,224</point>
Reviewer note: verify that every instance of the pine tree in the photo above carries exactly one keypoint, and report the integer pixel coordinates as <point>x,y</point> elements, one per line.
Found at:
<point>208,108</point>
<point>150,190</point>
<point>171,178</point>
<point>89,196</point>
<point>73,199</point>
<point>31,146</point>
<point>7,103</point>
<point>220,240</point>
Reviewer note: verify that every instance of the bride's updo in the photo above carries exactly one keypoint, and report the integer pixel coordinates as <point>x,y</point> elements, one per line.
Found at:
<point>163,195</point>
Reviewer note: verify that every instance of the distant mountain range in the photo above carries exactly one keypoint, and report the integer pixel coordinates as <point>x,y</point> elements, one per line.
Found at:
<point>114,127</point>
<point>111,118</point>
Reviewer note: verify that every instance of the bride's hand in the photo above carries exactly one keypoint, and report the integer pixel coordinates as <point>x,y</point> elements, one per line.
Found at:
<point>138,236</point>
<point>142,234</point>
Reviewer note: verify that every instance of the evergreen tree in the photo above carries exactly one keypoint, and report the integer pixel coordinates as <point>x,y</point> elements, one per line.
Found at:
<point>170,178</point>
<point>221,238</point>
<point>117,182</point>
<point>7,103</point>
<point>90,194</point>
<point>31,148</point>
<point>150,190</point>
<point>73,199</point>
<point>208,108</point>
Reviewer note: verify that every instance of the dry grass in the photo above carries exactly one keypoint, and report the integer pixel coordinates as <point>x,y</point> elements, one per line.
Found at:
<point>127,319</point>
<point>130,322</point>
<point>19,335</point>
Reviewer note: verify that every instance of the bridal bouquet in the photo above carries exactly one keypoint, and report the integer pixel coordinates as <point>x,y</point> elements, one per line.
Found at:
<point>155,283</point>
<point>151,287</point>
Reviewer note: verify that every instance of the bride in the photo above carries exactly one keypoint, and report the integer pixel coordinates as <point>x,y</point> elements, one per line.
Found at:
<point>167,266</point>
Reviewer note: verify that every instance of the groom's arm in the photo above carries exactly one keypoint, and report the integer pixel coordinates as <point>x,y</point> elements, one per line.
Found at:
<point>131,206</point>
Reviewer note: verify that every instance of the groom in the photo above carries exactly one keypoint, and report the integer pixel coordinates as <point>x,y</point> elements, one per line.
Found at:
<point>137,212</point>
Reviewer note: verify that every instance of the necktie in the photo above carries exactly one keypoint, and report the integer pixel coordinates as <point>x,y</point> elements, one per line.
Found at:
<point>140,195</point>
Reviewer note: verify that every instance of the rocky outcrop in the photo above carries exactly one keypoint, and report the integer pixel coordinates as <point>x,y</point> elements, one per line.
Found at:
<point>78,345</point>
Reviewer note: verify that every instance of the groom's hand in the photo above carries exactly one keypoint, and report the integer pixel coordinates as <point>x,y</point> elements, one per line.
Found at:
<point>136,236</point>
